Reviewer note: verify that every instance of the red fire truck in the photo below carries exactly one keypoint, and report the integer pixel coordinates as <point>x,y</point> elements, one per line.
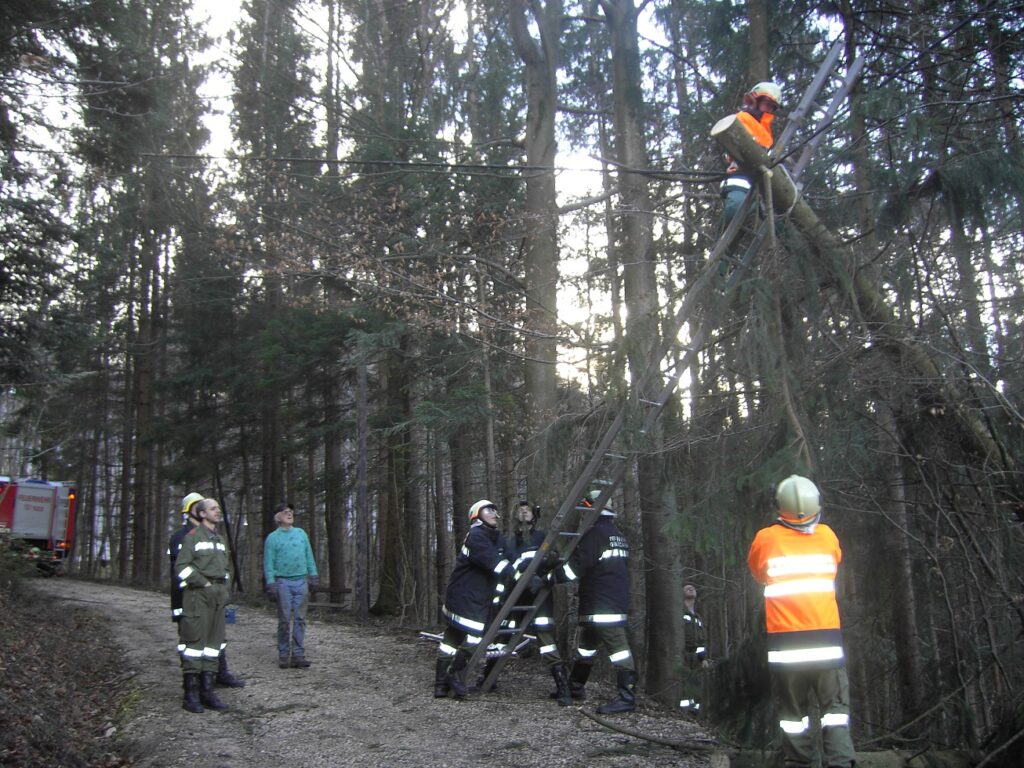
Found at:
<point>41,515</point>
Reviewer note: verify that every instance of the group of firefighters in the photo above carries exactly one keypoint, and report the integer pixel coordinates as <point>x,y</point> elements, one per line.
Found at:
<point>795,559</point>
<point>487,563</point>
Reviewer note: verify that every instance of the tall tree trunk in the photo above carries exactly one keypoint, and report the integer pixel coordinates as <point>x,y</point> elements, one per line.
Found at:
<point>361,594</point>
<point>334,500</point>
<point>461,457</point>
<point>657,501</point>
<point>757,42</point>
<point>910,666</point>
<point>443,549</point>
<point>143,515</point>
<point>541,58</point>
<point>129,438</point>
<point>395,531</point>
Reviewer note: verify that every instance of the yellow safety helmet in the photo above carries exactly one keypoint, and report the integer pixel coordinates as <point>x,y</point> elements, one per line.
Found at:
<point>190,501</point>
<point>799,500</point>
<point>769,89</point>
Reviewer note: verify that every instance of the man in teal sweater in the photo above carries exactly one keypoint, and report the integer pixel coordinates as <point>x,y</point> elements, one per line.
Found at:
<point>290,571</point>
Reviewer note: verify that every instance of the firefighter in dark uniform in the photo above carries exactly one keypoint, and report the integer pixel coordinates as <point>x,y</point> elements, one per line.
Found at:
<point>188,523</point>
<point>188,505</point>
<point>694,651</point>
<point>481,569</point>
<point>600,563</point>
<point>203,570</point>
<point>525,543</point>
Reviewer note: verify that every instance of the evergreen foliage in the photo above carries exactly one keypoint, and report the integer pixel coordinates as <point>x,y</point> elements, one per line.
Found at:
<point>175,322</point>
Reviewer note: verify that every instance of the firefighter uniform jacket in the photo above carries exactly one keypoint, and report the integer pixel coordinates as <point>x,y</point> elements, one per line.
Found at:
<point>798,571</point>
<point>172,550</point>
<point>694,637</point>
<point>480,570</point>
<point>600,563</point>
<point>203,559</point>
<point>522,551</point>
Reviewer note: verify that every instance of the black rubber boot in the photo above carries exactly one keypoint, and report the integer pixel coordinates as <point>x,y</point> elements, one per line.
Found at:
<point>207,696</point>
<point>578,680</point>
<point>457,675</point>
<point>562,692</point>
<point>441,679</point>
<point>479,684</point>
<point>625,680</point>
<point>191,701</point>
<point>300,662</point>
<point>224,676</point>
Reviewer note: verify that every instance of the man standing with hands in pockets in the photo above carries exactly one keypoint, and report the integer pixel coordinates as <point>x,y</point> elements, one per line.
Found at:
<point>290,571</point>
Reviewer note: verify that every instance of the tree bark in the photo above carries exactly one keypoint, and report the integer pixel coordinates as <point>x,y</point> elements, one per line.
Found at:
<point>663,591</point>
<point>361,595</point>
<point>541,59</point>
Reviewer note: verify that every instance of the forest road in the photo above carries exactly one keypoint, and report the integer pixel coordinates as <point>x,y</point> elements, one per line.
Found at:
<point>366,701</point>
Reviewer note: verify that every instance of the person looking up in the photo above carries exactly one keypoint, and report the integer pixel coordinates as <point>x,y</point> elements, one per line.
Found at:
<point>290,572</point>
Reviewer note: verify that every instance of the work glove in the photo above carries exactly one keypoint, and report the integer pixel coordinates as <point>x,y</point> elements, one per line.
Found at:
<point>314,582</point>
<point>551,561</point>
<point>535,584</point>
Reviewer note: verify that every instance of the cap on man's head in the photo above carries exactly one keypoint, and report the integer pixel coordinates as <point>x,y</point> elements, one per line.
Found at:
<point>188,503</point>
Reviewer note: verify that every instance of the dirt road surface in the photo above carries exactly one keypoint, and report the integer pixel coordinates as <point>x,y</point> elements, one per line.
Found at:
<point>366,701</point>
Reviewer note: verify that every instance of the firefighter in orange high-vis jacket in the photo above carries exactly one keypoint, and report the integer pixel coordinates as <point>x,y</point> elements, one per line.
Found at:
<point>756,114</point>
<point>796,560</point>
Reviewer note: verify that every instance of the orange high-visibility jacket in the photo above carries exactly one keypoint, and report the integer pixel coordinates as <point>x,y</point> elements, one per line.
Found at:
<point>761,130</point>
<point>798,571</point>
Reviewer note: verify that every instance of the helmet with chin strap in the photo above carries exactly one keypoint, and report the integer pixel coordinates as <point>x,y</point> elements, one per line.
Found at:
<point>799,501</point>
<point>768,89</point>
<point>480,506</point>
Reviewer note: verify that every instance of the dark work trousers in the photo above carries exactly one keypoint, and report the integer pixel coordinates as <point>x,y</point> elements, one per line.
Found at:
<point>794,691</point>
<point>201,629</point>
<point>612,640</point>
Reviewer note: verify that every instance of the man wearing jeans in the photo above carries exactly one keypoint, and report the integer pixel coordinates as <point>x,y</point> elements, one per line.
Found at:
<point>290,570</point>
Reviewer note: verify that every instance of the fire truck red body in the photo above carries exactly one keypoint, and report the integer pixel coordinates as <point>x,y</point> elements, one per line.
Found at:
<point>41,513</point>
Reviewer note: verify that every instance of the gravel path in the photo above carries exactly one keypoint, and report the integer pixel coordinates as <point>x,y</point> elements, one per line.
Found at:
<point>366,701</point>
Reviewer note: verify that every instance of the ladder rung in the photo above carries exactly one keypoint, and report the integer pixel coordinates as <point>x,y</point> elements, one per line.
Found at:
<point>602,482</point>
<point>568,533</point>
<point>616,456</point>
<point>650,402</point>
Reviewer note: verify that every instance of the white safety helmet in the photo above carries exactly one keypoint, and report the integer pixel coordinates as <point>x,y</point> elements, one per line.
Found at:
<point>591,501</point>
<point>480,506</point>
<point>799,501</point>
<point>767,88</point>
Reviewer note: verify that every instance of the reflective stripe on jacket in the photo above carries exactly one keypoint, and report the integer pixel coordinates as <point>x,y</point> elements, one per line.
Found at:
<point>601,564</point>
<point>480,568</point>
<point>203,558</point>
<point>798,571</point>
